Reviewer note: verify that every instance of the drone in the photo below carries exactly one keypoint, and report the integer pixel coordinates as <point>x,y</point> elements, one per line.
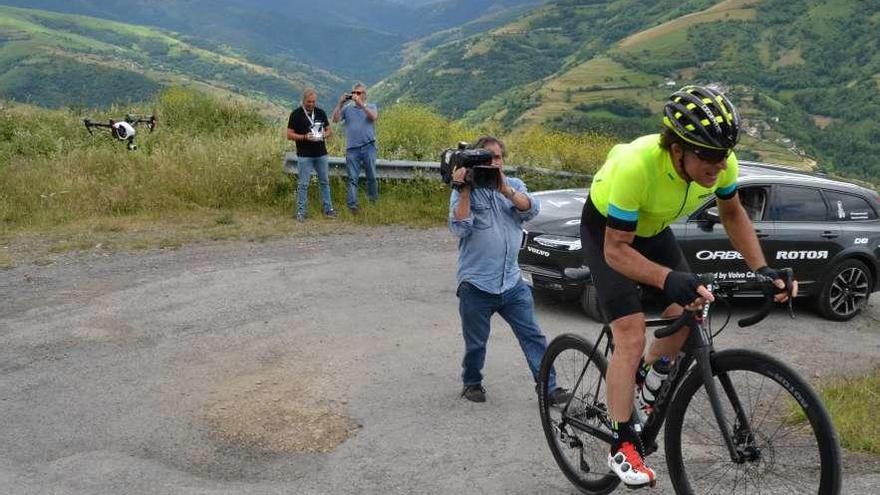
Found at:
<point>123,129</point>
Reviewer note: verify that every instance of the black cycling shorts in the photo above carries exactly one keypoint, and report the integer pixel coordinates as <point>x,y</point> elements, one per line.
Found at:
<point>618,295</point>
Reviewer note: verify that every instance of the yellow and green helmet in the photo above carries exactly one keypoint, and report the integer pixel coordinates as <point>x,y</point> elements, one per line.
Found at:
<point>702,117</point>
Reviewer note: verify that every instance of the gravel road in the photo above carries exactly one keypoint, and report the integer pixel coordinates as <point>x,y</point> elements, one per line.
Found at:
<point>327,364</point>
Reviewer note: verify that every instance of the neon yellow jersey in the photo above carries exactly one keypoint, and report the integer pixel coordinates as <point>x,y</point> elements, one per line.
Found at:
<point>638,189</point>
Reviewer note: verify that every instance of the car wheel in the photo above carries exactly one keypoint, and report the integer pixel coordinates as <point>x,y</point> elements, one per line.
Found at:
<point>590,302</point>
<point>845,290</point>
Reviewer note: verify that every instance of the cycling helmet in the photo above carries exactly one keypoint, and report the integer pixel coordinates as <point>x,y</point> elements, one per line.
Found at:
<point>702,117</point>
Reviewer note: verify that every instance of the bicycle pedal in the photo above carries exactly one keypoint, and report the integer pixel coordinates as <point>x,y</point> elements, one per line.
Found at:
<point>652,484</point>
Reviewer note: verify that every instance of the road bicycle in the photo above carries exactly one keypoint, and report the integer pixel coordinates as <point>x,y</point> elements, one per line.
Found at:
<point>736,420</point>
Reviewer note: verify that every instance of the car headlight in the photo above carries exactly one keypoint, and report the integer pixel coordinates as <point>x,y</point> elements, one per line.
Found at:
<point>559,242</point>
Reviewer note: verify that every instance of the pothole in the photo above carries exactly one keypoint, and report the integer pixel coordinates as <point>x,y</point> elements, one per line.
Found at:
<point>279,411</point>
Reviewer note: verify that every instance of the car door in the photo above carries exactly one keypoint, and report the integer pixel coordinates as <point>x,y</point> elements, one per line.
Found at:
<point>804,237</point>
<point>706,244</point>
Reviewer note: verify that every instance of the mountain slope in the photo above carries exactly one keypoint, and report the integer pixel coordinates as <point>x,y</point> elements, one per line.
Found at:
<point>353,39</point>
<point>805,73</point>
<point>55,59</point>
<point>460,76</point>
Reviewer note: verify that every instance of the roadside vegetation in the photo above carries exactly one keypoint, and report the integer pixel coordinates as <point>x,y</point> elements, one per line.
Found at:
<point>212,169</point>
<point>853,402</point>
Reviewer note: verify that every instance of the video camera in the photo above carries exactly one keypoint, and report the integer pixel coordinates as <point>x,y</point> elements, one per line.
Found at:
<point>481,172</point>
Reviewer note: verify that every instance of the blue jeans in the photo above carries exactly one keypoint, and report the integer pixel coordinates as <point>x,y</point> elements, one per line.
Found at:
<point>304,166</point>
<point>355,158</point>
<point>517,308</point>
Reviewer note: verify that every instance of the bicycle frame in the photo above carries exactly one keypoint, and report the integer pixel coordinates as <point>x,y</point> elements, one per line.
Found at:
<point>695,357</point>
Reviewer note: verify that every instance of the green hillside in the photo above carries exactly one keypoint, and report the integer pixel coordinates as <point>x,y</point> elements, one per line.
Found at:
<point>55,60</point>
<point>805,73</point>
<point>415,50</point>
<point>460,76</point>
<point>357,40</point>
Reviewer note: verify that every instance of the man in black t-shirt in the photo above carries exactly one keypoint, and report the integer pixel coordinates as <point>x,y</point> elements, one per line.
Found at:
<point>308,127</point>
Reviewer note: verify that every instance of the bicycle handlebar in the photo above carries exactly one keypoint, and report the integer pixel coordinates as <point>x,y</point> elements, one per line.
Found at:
<point>765,284</point>
<point>769,289</point>
<point>679,322</point>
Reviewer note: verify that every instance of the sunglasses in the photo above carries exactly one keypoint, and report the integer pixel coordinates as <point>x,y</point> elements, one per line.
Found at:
<point>710,155</point>
<point>357,92</point>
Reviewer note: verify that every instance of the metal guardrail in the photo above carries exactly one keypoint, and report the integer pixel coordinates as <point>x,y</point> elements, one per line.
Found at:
<point>405,169</point>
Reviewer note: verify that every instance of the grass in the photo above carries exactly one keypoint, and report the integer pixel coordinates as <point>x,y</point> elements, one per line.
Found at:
<point>595,80</point>
<point>63,190</point>
<point>852,402</point>
<point>658,37</point>
<point>420,207</point>
<point>47,158</point>
<point>109,234</point>
<point>789,57</point>
<point>30,21</point>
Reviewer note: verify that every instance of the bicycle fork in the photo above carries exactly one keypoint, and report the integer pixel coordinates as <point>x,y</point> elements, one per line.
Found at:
<point>703,355</point>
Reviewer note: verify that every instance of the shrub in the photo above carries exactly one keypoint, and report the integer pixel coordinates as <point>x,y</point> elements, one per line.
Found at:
<point>539,147</point>
<point>414,132</point>
<point>189,111</point>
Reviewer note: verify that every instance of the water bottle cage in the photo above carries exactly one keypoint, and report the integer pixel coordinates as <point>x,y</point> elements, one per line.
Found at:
<point>661,393</point>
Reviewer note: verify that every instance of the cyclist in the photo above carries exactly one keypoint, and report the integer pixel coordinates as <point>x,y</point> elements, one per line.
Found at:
<point>642,187</point>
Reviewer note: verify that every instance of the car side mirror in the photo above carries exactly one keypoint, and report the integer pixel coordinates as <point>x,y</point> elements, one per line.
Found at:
<point>710,218</point>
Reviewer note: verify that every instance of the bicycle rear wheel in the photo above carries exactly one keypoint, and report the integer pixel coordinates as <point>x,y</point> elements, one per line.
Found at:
<point>784,433</point>
<point>574,431</point>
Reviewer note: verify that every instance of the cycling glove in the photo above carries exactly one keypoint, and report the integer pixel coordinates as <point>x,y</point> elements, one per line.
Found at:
<point>681,287</point>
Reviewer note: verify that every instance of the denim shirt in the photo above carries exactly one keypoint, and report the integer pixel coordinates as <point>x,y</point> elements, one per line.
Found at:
<point>359,129</point>
<point>489,239</point>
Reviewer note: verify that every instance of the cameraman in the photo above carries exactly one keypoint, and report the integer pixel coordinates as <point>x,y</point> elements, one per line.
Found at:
<point>358,118</point>
<point>488,222</point>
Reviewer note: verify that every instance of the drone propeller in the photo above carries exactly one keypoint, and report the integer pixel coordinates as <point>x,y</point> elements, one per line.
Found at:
<point>91,124</point>
<point>150,120</point>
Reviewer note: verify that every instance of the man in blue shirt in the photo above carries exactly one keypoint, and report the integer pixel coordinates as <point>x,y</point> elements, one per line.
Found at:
<point>488,223</point>
<point>358,118</point>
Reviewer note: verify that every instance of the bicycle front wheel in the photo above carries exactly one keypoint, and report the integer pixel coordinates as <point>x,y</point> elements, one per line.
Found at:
<point>578,432</point>
<point>783,435</point>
